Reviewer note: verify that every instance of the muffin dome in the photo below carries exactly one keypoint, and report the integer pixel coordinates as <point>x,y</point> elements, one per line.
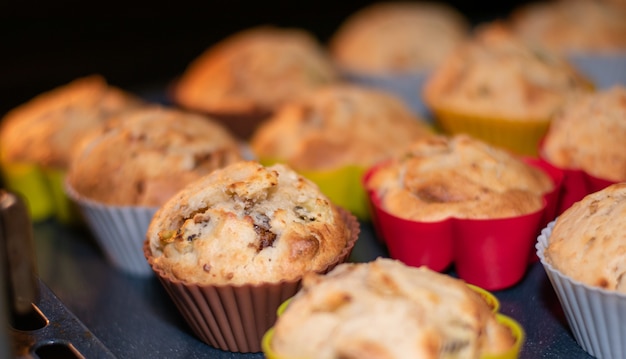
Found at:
<point>338,125</point>
<point>390,309</point>
<point>253,71</point>
<point>247,224</point>
<point>443,177</point>
<point>144,157</point>
<point>589,134</point>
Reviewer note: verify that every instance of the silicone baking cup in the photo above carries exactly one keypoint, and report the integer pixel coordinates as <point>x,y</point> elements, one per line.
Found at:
<point>490,253</point>
<point>343,186</point>
<point>119,231</point>
<point>597,317</point>
<point>603,69</point>
<point>490,299</point>
<point>235,317</point>
<point>42,190</point>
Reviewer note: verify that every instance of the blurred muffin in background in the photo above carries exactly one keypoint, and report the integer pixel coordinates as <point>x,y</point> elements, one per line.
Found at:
<point>500,89</point>
<point>587,140</point>
<point>334,134</point>
<point>124,172</point>
<point>38,137</point>
<point>395,45</point>
<point>592,34</point>
<point>246,76</point>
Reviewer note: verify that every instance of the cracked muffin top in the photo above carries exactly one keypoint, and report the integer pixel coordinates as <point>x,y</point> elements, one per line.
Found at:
<point>143,157</point>
<point>398,37</point>
<point>253,71</point>
<point>588,240</point>
<point>589,134</point>
<point>247,224</point>
<point>385,309</point>
<point>443,177</point>
<point>45,129</point>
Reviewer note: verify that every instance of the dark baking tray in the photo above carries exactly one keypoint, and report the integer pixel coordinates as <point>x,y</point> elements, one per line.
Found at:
<point>134,317</point>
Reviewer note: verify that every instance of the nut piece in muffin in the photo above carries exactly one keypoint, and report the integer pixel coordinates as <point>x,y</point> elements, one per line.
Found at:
<point>254,71</point>
<point>143,157</point>
<point>338,125</point>
<point>246,224</point>
<point>589,134</point>
<point>571,26</point>
<point>398,37</point>
<point>588,240</point>
<point>442,177</point>
<point>385,309</point>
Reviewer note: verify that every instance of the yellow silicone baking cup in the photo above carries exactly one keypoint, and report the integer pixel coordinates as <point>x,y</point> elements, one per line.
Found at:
<point>517,135</point>
<point>343,186</point>
<point>493,302</point>
<point>42,189</point>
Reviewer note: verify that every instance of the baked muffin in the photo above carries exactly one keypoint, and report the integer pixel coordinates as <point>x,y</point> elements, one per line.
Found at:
<point>462,177</point>
<point>37,139</point>
<point>583,254</point>
<point>586,139</point>
<point>246,231</point>
<point>335,133</point>
<point>592,34</point>
<point>130,167</point>
<point>499,89</point>
<point>385,309</point>
<point>394,45</point>
<point>231,80</point>
<point>459,200</point>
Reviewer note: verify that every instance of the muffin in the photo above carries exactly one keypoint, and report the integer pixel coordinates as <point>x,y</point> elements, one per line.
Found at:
<point>125,171</point>
<point>592,34</point>
<point>582,253</point>
<point>37,139</point>
<point>586,139</point>
<point>501,90</point>
<point>243,78</point>
<point>333,134</point>
<point>233,245</point>
<point>392,310</point>
<point>459,199</point>
<point>395,45</point>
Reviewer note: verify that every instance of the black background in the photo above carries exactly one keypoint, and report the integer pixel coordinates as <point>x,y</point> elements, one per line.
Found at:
<point>139,44</point>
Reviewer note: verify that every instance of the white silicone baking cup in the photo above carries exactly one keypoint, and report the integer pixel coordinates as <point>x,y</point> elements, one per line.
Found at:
<point>407,87</point>
<point>604,70</point>
<point>119,231</point>
<point>597,317</point>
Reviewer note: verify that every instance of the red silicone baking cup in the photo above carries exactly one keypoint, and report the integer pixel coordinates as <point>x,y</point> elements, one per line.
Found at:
<point>493,254</point>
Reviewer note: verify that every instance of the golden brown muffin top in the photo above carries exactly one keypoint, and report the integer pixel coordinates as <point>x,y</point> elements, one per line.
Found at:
<point>572,26</point>
<point>588,240</point>
<point>45,129</point>
<point>589,134</point>
<point>144,157</point>
<point>458,177</point>
<point>253,71</point>
<point>338,125</point>
<point>247,224</point>
<point>495,74</point>
<point>398,37</point>
<point>385,309</point>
